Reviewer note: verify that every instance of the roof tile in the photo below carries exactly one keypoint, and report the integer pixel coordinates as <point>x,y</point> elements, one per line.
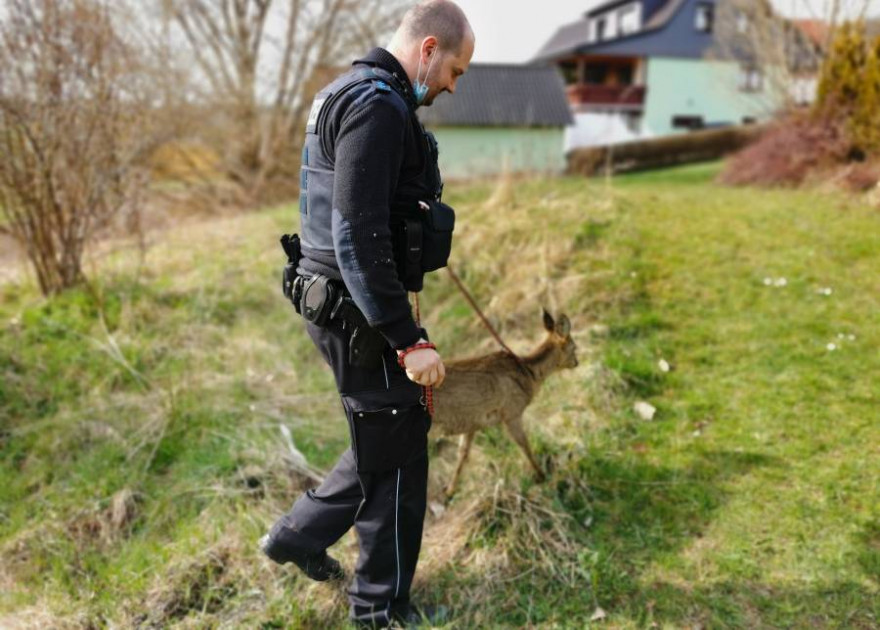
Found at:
<point>503,95</point>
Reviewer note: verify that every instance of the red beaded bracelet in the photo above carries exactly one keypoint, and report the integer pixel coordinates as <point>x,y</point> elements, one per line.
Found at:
<point>401,354</point>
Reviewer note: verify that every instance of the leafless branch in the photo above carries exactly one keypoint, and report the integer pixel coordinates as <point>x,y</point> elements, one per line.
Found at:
<point>259,63</point>
<point>75,127</point>
<point>774,48</point>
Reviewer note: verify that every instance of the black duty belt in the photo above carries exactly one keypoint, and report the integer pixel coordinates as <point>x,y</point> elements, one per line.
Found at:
<point>324,299</point>
<point>320,299</point>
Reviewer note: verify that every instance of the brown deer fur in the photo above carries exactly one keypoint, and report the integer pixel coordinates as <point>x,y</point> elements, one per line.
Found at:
<point>480,392</point>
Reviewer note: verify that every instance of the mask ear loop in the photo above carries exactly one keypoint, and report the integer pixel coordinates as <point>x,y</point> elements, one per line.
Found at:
<point>419,71</point>
<point>422,88</point>
<point>430,65</point>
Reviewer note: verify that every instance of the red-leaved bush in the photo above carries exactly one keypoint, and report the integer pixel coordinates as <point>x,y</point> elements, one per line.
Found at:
<point>839,140</point>
<point>789,152</point>
<point>862,176</point>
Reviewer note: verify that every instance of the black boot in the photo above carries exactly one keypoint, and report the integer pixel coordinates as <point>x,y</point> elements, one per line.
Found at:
<point>412,617</point>
<point>318,566</point>
<point>425,616</point>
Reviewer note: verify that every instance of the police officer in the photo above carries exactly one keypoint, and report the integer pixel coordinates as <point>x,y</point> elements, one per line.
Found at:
<point>372,223</point>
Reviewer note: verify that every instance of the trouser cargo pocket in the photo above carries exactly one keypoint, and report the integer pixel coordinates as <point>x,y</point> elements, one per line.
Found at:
<point>387,437</point>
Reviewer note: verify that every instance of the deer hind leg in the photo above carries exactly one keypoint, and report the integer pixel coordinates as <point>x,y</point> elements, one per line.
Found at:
<point>518,433</point>
<point>464,448</point>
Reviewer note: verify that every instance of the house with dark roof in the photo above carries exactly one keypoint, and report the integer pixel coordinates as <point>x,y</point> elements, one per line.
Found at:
<point>644,68</point>
<point>816,36</point>
<point>502,117</point>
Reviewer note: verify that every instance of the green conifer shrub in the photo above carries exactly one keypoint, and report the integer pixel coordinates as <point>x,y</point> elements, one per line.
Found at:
<point>849,89</point>
<point>865,120</point>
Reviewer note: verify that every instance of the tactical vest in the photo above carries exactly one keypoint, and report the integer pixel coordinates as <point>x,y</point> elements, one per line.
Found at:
<point>421,238</point>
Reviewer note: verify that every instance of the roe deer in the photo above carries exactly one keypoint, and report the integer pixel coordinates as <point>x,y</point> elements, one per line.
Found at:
<point>480,392</point>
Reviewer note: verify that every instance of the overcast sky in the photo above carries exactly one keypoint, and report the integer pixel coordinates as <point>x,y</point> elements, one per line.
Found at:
<point>514,31</point>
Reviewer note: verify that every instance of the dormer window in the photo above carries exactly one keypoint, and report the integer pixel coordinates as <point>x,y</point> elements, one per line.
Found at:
<point>623,20</point>
<point>742,21</point>
<point>751,79</point>
<point>601,29</point>
<point>629,19</point>
<point>705,17</point>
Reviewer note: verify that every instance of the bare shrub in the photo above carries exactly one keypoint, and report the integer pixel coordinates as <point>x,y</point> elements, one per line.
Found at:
<point>258,64</point>
<point>862,176</point>
<point>841,132</point>
<point>763,41</point>
<point>75,125</point>
<point>789,152</point>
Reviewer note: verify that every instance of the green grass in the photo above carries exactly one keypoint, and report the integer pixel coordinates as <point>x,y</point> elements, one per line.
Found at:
<point>750,501</point>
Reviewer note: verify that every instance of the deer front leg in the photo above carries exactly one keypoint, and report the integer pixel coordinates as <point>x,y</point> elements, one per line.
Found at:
<point>518,433</point>
<point>464,448</point>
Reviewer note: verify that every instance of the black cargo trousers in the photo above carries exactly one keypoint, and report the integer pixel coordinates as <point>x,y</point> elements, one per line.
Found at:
<point>379,484</point>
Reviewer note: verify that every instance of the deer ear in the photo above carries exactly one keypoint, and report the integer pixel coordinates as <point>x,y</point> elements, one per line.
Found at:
<point>549,324</point>
<point>563,326</point>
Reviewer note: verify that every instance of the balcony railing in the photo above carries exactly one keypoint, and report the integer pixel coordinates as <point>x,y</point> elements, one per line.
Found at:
<point>620,95</point>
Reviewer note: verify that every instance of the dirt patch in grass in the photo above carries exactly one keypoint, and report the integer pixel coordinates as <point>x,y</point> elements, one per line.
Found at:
<point>109,524</point>
<point>202,584</point>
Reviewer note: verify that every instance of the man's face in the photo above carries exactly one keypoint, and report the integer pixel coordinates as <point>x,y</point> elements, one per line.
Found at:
<point>447,69</point>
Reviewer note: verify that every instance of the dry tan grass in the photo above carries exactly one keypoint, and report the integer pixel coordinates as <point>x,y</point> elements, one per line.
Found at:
<point>41,616</point>
<point>106,525</point>
<point>526,265</point>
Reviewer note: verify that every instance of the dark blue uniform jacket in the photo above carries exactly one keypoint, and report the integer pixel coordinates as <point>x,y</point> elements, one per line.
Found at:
<point>371,141</point>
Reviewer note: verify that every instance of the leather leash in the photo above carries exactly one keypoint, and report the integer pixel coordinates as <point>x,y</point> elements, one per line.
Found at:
<point>427,389</point>
<point>522,366</point>
<point>519,362</point>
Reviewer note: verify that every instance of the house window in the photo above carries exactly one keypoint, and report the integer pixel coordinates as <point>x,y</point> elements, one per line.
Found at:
<point>705,17</point>
<point>596,73</point>
<point>624,75</point>
<point>569,70</point>
<point>601,29</point>
<point>629,19</point>
<point>751,79</point>
<point>742,21</point>
<point>688,122</point>
<point>633,121</point>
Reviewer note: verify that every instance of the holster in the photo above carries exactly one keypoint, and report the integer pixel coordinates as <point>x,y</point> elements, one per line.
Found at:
<point>319,297</point>
<point>366,344</point>
<point>291,282</point>
<point>324,300</point>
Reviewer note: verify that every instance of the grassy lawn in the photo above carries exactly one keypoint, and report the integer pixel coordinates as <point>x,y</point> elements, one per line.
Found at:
<point>141,456</point>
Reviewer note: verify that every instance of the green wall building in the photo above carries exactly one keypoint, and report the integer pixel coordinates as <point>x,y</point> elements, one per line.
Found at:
<point>644,68</point>
<point>502,117</point>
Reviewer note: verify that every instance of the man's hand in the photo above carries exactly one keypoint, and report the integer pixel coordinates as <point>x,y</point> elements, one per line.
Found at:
<point>425,366</point>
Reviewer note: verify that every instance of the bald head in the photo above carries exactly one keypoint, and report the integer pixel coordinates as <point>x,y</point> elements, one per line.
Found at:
<point>435,36</point>
<point>441,18</point>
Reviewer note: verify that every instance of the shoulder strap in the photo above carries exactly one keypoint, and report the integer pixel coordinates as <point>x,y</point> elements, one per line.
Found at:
<point>383,79</point>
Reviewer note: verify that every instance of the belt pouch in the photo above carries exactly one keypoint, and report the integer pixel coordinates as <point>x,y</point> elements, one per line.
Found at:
<point>318,297</point>
<point>437,235</point>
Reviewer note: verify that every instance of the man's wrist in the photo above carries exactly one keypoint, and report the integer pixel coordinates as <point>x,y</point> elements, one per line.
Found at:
<point>402,350</point>
<point>420,345</point>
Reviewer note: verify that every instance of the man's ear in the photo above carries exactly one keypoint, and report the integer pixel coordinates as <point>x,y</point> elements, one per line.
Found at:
<point>429,46</point>
<point>549,324</point>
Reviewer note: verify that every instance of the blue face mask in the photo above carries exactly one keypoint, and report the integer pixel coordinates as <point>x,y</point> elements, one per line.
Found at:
<point>420,89</point>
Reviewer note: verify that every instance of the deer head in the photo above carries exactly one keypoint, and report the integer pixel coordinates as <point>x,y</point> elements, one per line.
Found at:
<point>560,339</point>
